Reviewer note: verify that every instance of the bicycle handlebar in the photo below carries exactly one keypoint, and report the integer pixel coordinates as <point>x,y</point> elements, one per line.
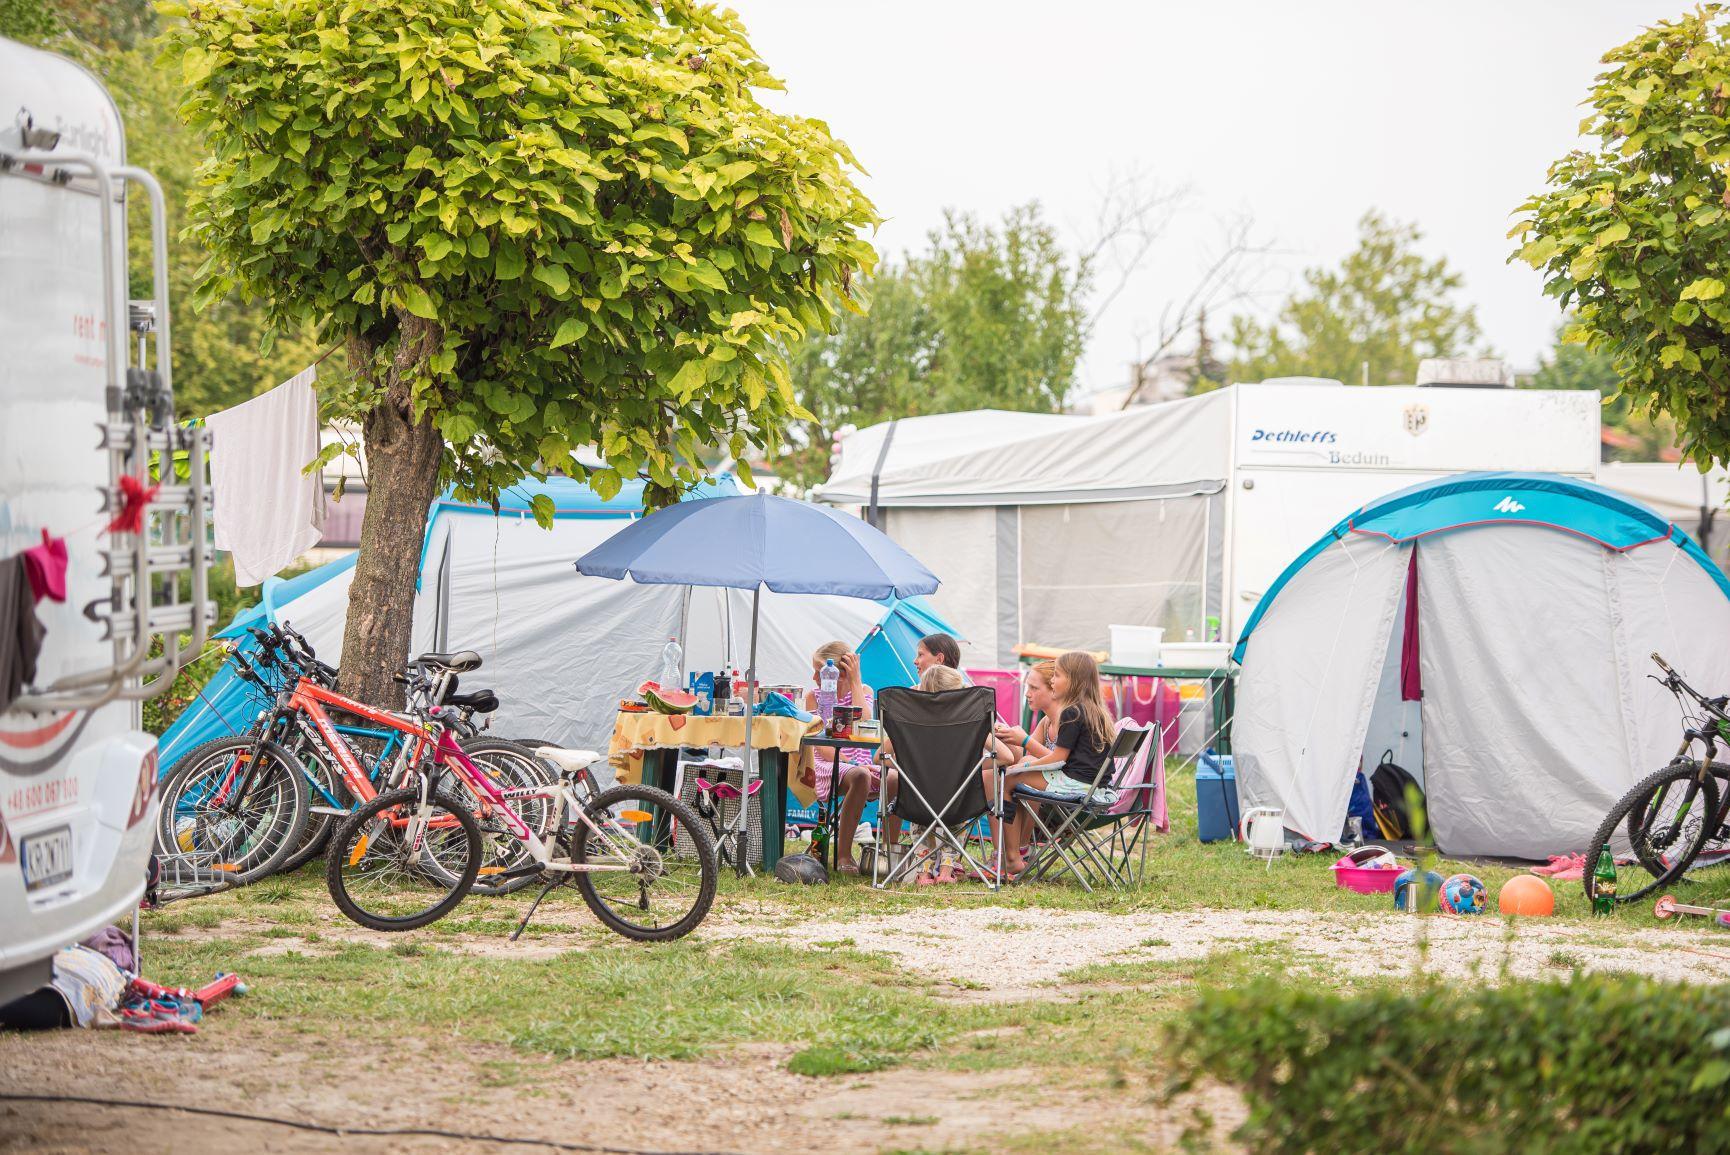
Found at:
<point>1662,664</point>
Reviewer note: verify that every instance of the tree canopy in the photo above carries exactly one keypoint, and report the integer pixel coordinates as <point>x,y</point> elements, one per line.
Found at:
<point>986,315</point>
<point>553,224</point>
<point>1386,307</point>
<point>1633,233</point>
<point>533,225</point>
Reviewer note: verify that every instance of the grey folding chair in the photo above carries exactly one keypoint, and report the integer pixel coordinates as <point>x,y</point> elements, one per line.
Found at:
<point>1069,825</point>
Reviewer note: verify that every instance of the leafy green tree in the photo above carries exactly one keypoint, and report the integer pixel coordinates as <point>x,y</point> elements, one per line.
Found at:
<point>533,225</point>
<point>986,316</point>
<point>1633,233</point>
<point>1385,307</point>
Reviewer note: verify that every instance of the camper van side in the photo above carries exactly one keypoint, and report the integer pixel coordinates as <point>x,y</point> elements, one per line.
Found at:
<point>86,400</point>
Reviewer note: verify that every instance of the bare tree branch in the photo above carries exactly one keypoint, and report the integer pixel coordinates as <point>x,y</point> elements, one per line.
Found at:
<point>1134,211</point>
<point>1227,279</point>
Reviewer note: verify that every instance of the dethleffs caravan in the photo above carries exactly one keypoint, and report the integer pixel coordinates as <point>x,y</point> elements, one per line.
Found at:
<point>1052,528</point>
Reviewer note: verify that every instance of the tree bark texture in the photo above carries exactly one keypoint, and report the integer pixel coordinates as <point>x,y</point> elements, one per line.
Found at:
<point>402,465</point>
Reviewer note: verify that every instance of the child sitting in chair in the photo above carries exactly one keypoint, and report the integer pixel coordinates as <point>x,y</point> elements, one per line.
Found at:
<point>943,868</point>
<point>1066,765</point>
<point>858,780</point>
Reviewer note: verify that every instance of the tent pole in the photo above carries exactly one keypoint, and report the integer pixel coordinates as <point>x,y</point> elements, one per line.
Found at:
<point>742,846</point>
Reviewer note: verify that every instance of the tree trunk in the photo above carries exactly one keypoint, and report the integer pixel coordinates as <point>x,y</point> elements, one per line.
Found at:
<point>402,473</point>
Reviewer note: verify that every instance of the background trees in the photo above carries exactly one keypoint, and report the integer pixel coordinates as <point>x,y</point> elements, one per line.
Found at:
<point>532,225</point>
<point>1385,307</point>
<point>986,316</point>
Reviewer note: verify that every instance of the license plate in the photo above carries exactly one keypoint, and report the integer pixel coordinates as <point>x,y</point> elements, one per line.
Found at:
<point>46,858</point>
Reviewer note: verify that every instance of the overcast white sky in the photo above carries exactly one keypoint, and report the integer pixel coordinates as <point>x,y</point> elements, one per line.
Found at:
<point>1302,113</point>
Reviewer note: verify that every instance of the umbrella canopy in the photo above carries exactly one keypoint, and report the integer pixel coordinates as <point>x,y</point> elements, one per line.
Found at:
<point>760,540</point>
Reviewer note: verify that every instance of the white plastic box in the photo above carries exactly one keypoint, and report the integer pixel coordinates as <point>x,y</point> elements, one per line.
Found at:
<point>1136,645</point>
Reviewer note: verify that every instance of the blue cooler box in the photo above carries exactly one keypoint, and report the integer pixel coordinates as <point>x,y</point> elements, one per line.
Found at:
<point>1216,817</point>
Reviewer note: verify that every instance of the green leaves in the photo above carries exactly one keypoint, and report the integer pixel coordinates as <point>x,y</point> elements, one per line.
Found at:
<point>415,300</point>
<point>1632,228</point>
<point>572,329</point>
<point>1704,289</point>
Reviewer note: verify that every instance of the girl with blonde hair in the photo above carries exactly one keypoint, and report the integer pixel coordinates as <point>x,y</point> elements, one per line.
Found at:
<point>1070,759</point>
<point>858,780</point>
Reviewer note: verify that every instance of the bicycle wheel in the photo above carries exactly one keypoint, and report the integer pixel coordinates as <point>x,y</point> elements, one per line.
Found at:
<point>511,767</point>
<point>639,884</point>
<point>247,817</point>
<point>375,863</point>
<point>1666,819</point>
<point>329,804</point>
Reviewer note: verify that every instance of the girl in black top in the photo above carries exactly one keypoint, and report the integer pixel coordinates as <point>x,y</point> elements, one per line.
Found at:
<point>1074,759</point>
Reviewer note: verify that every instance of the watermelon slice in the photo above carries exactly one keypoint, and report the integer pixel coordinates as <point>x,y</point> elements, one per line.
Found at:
<point>668,701</point>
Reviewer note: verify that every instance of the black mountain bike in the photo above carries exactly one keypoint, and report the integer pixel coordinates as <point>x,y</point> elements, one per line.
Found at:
<point>1676,814</point>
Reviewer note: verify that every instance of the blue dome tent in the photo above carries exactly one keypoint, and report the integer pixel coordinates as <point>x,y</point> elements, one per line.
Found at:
<point>1492,632</point>
<point>559,649</point>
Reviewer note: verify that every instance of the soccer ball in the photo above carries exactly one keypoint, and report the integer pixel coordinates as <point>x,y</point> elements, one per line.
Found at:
<point>1465,894</point>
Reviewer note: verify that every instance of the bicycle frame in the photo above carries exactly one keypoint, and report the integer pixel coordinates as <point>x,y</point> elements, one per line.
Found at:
<point>308,701</point>
<point>450,755</point>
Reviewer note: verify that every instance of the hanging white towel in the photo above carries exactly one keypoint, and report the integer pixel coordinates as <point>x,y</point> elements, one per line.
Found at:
<point>268,512</point>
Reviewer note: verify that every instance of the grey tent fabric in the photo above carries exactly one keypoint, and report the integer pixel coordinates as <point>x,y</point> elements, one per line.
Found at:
<point>1525,742</point>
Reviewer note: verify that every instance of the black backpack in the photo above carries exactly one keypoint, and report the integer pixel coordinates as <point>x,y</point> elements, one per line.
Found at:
<point>1389,783</point>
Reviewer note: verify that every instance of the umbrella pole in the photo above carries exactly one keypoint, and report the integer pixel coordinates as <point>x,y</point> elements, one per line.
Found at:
<point>742,853</point>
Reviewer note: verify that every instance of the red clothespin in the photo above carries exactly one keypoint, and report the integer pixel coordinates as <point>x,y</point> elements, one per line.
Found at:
<point>135,497</point>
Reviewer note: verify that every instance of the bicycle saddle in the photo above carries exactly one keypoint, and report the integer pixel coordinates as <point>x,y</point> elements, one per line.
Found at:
<point>480,701</point>
<point>460,661</point>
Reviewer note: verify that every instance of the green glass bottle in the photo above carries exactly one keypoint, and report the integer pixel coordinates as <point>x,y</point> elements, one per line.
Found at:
<point>1604,883</point>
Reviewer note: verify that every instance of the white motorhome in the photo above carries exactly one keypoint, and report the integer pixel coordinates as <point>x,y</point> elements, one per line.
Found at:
<point>85,400</point>
<point>1052,528</point>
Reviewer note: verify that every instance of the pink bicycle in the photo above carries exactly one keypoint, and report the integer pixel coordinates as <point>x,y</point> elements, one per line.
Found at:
<point>409,856</point>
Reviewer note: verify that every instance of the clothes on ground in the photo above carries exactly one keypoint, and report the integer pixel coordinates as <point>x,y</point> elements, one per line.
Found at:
<point>40,1010</point>
<point>269,511</point>
<point>1086,749</point>
<point>823,761</point>
<point>21,633</point>
<point>45,565</point>
<point>91,984</point>
<point>1060,785</point>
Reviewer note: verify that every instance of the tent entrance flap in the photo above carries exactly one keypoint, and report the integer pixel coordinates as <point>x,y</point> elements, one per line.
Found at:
<point>1301,723</point>
<point>1396,720</point>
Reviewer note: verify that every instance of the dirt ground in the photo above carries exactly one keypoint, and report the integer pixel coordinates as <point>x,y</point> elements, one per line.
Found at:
<point>748,1101</point>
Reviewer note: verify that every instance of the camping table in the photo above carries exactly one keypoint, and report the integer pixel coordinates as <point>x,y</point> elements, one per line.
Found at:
<point>660,737</point>
<point>1221,688</point>
<point>828,813</point>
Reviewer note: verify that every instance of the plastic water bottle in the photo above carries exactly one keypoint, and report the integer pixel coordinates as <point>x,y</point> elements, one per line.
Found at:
<point>828,682</point>
<point>672,660</point>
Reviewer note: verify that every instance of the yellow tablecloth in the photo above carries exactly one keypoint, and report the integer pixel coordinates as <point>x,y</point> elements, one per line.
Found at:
<point>633,733</point>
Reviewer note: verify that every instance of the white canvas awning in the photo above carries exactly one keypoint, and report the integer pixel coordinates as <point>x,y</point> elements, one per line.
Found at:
<point>989,457</point>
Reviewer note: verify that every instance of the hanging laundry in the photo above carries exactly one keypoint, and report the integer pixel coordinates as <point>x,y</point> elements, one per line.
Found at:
<point>21,633</point>
<point>45,565</point>
<point>268,512</point>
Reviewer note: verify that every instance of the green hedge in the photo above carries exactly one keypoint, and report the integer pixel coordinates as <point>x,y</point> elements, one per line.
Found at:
<point>1597,1064</point>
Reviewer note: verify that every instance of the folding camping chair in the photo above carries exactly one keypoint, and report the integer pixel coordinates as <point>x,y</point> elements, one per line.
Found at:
<point>939,742</point>
<point>1090,837</point>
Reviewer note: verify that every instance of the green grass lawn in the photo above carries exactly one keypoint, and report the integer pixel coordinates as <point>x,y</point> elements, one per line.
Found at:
<point>848,1010</point>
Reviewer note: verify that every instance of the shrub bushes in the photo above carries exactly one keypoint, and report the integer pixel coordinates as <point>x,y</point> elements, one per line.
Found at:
<point>1596,1064</point>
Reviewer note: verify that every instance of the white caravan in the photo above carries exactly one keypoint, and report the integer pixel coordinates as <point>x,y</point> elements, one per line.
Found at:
<point>1052,528</point>
<point>78,411</point>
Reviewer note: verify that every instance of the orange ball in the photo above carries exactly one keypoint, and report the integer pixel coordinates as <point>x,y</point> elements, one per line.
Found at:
<point>1528,896</point>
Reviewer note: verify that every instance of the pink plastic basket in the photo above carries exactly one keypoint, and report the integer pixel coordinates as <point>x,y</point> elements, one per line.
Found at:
<point>1353,872</point>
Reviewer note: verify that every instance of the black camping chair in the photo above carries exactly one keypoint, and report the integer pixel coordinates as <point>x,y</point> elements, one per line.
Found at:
<point>939,742</point>
<point>1074,841</point>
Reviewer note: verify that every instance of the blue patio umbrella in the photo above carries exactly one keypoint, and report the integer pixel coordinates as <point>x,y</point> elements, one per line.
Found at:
<point>758,540</point>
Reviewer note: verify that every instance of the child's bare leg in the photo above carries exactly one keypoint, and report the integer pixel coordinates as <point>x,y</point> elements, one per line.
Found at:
<point>856,787</point>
